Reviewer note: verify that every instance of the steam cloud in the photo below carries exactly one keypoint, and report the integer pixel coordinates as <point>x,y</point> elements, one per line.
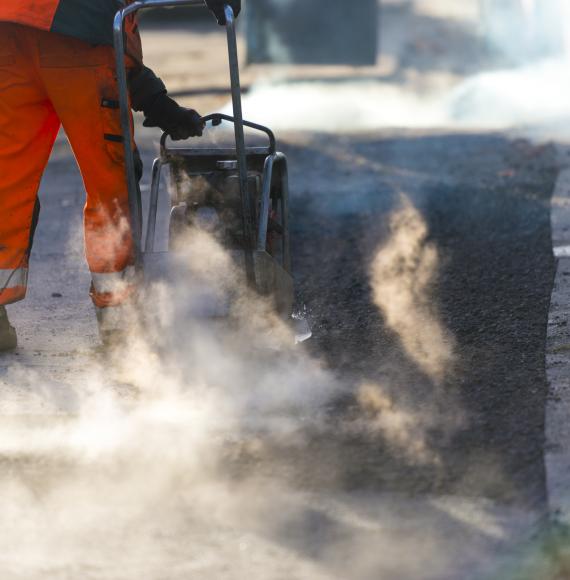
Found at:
<point>524,86</point>
<point>125,475</point>
<point>152,466</point>
<point>403,274</point>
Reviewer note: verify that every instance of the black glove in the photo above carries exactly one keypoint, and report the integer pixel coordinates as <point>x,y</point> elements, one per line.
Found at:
<point>178,122</point>
<point>149,95</point>
<point>217,7</point>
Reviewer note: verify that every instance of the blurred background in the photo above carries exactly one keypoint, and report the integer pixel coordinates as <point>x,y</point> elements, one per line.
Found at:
<point>338,65</point>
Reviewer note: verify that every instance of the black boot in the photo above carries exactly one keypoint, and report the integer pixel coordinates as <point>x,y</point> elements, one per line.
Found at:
<point>8,338</point>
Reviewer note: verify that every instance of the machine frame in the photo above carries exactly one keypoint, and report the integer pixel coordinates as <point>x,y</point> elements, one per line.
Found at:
<point>262,270</point>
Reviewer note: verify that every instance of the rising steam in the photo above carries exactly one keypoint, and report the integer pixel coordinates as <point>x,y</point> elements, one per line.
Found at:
<point>123,476</point>
<point>401,428</point>
<point>523,81</point>
<point>403,276</point>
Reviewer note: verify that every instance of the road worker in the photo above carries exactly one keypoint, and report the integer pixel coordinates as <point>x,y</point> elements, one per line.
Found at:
<point>57,68</point>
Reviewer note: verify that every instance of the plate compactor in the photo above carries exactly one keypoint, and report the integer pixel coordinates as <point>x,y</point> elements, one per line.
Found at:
<point>242,190</point>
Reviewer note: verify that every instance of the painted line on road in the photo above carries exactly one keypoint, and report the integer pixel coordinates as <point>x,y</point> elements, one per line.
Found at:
<point>562,251</point>
<point>557,453</point>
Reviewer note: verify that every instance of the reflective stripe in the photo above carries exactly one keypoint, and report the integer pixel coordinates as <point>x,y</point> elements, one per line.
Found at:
<point>13,278</point>
<point>113,281</point>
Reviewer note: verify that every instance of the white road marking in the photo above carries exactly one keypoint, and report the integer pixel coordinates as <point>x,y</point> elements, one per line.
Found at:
<point>562,251</point>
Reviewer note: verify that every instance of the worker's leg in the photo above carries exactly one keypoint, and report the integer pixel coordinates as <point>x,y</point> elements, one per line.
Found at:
<point>81,84</point>
<point>28,128</point>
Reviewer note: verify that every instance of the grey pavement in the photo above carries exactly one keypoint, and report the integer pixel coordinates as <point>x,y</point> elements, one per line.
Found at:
<point>558,357</point>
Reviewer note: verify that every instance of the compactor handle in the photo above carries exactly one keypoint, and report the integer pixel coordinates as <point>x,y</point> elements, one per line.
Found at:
<point>217,118</point>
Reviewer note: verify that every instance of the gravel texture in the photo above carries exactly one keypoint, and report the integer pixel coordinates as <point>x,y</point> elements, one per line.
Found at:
<point>485,202</point>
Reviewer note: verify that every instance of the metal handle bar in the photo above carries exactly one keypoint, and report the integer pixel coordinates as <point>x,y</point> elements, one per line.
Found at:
<point>247,206</point>
<point>217,118</point>
<point>135,204</point>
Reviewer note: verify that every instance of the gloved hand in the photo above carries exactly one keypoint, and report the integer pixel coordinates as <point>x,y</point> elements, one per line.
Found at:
<point>217,7</point>
<point>178,122</point>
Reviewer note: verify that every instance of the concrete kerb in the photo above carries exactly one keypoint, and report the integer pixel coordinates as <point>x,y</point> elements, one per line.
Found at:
<point>557,454</point>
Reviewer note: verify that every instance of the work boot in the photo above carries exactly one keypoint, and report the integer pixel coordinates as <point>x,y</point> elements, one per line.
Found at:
<point>113,327</point>
<point>8,338</point>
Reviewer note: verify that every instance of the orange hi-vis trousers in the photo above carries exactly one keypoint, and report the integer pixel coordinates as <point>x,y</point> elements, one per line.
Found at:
<point>48,80</point>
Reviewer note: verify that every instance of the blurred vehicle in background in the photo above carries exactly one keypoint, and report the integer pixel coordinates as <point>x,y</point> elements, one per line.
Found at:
<point>316,32</point>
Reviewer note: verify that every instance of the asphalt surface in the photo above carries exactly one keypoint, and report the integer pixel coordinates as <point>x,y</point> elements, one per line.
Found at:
<point>485,202</point>
<point>453,479</point>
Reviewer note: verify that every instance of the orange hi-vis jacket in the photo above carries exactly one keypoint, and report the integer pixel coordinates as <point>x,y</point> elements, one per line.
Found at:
<point>87,20</point>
